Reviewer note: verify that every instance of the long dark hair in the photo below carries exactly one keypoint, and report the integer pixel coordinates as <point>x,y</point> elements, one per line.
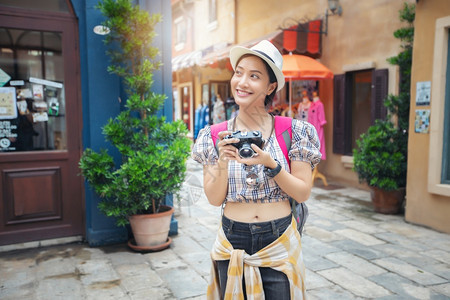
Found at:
<point>272,78</point>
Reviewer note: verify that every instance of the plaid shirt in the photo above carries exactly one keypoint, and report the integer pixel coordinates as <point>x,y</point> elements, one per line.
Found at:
<point>305,147</point>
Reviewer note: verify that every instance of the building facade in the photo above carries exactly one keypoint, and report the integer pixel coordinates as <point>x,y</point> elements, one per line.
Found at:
<point>56,95</point>
<point>428,181</point>
<point>356,38</point>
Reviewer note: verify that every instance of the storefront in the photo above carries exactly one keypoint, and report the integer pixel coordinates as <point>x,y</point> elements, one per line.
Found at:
<point>55,96</point>
<point>40,116</point>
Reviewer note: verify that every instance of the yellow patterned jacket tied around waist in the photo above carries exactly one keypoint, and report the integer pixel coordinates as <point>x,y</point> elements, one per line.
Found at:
<point>284,255</point>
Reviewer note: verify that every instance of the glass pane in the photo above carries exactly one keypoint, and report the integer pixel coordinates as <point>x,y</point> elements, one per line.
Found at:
<point>32,102</point>
<point>446,151</point>
<point>44,5</point>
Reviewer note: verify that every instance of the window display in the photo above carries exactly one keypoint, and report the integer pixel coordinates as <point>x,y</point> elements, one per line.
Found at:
<point>32,102</point>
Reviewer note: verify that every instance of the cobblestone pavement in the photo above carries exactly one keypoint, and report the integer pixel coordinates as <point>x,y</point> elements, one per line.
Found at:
<point>350,253</point>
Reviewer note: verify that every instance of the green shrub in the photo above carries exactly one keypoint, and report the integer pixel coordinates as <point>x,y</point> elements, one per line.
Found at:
<point>153,151</point>
<point>380,158</point>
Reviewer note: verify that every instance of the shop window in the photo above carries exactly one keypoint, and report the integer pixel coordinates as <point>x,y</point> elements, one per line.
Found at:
<point>439,151</point>
<point>446,150</point>
<point>32,100</point>
<point>212,11</point>
<point>358,102</point>
<point>181,33</point>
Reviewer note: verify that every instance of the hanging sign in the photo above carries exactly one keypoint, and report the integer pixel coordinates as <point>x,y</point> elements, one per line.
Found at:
<point>8,104</point>
<point>46,82</point>
<point>7,135</point>
<point>4,77</point>
<point>422,121</point>
<point>423,93</point>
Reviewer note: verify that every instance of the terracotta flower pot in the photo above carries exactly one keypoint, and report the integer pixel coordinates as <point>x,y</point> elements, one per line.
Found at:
<point>387,202</point>
<point>152,230</point>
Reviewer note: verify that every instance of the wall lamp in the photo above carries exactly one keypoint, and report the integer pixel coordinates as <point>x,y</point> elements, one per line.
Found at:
<point>334,8</point>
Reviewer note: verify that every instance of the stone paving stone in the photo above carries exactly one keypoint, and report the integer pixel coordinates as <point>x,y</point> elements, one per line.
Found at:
<point>322,234</point>
<point>200,262</point>
<point>440,255</point>
<point>161,293</point>
<point>317,263</point>
<point>184,282</point>
<point>316,247</point>
<point>443,289</point>
<point>331,293</point>
<point>363,227</point>
<point>55,267</point>
<point>409,271</point>
<point>358,249</point>
<point>409,256</point>
<point>403,229</point>
<point>315,281</point>
<point>356,284</point>
<point>359,237</point>
<point>324,224</point>
<point>165,259</point>
<point>201,235</point>
<point>104,291</point>
<point>402,286</point>
<point>183,244</point>
<point>330,214</point>
<point>60,288</point>
<point>97,270</point>
<point>137,277</point>
<point>355,264</point>
<point>440,269</point>
<point>439,241</point>
<point>127,256</point>
<point>17,291</point>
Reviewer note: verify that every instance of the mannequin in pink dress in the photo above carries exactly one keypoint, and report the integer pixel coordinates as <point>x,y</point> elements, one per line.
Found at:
<point>316,116</point>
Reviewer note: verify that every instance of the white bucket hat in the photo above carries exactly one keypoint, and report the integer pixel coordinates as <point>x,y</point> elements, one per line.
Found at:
<point>266,51</point>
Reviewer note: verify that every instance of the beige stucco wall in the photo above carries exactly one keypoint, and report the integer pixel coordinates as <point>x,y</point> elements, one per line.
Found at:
<point>424,207</point>
<point>362,37</point>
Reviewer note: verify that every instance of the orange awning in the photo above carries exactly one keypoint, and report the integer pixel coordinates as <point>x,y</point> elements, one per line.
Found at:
<point>215,58</point>
<point>300,67</point>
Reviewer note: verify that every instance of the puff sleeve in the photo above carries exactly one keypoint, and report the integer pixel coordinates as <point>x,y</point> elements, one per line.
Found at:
<point>204,151</point>
<point>305,143</point>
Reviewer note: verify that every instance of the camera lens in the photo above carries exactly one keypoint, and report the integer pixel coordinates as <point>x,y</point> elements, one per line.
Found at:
<point>246,151</point>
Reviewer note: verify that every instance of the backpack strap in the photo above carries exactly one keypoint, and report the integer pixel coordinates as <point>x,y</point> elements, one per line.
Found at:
<point>215,130</point>
<point>283,132</point>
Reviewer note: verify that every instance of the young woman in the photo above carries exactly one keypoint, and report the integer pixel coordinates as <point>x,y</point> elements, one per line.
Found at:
<point>258,250</point>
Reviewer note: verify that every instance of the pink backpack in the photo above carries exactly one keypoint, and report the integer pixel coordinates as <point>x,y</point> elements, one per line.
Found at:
<point>283,132</point>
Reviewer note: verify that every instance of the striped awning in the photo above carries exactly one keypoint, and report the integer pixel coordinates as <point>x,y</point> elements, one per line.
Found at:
<point>186,60</point>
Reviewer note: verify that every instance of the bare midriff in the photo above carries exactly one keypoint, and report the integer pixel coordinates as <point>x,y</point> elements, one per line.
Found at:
<point>256,212</point>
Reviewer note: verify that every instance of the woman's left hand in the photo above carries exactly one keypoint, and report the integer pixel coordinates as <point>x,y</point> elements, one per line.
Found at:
<point>260,158</point>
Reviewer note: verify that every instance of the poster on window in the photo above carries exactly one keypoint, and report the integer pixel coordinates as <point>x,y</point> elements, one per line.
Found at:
<point>8,104</point>
<point>423,93</point>
<point>422,122</point>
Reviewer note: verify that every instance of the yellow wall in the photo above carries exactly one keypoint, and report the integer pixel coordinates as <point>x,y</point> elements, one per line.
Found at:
<point>423,207</point>
<point>362,35</point>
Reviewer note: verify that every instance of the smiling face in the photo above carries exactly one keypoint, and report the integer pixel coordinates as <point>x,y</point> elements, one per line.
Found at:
<point>250,83</point>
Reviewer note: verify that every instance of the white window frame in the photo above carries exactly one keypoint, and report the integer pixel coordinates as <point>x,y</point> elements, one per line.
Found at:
<point>438,108</point>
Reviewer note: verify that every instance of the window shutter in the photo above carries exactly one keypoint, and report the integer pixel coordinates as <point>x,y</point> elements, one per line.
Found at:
<point>379,94</point>
<point>339,114</point>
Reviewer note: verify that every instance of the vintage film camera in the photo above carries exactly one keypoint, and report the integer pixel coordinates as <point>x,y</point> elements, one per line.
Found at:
<point>245,141</point>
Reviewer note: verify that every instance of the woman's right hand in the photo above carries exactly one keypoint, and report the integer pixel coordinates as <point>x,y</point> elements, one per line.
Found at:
<point>226,150</point>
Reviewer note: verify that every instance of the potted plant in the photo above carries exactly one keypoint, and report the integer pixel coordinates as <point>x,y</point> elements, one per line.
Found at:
<point>380,158</point>
<point>153,151</point>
